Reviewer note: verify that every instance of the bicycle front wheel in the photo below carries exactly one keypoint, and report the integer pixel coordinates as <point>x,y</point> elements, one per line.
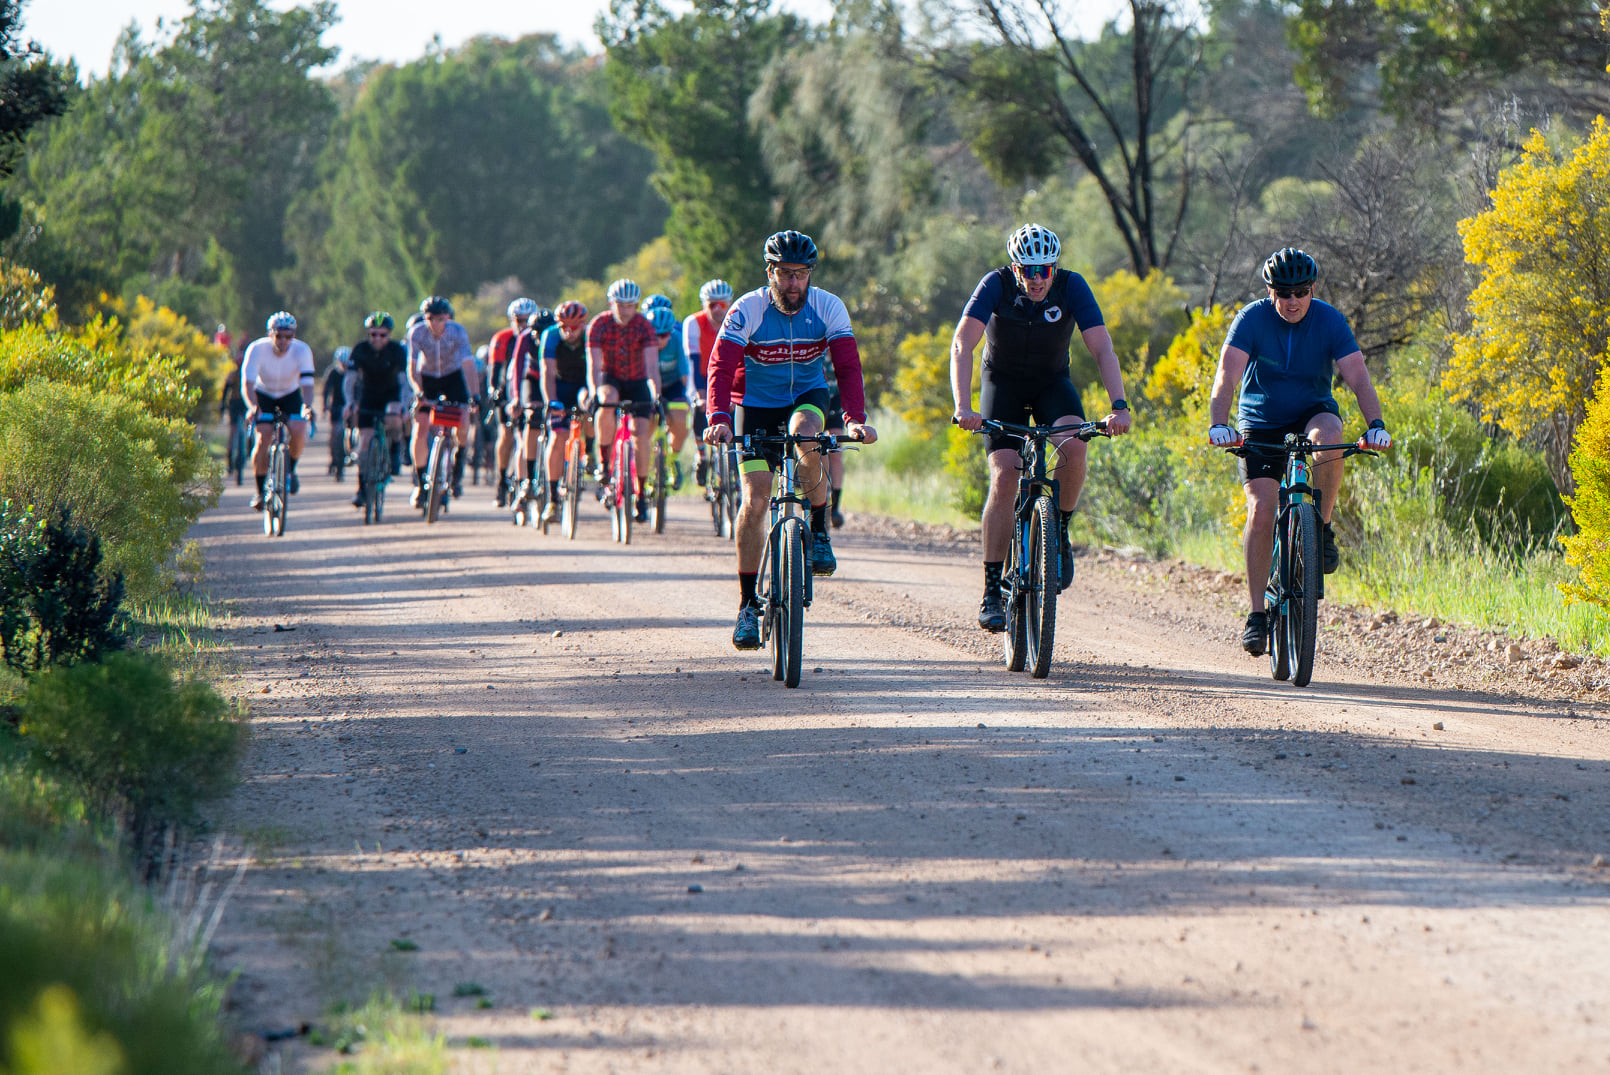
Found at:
<point>1277,598</point>
<point>282,492</point>
<point>661,482</point>
<point>730,492</point>
<point>788,638</point>
<point>1040,603</point>
<point>436,468</point>
<point>573,461</point>
<point>1302,604</point>
<point>1015,641</point>
<point>626,482</point>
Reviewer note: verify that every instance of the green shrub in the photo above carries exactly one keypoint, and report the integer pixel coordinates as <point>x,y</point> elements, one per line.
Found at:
<point>137,480</point>
<point>1588,550</point>
<point>55,605</point>
<point>142,743</point>
<point>96,358</point>
<point>93,970</point>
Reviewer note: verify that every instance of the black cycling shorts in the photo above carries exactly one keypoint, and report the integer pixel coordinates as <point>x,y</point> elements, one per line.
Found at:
<point>835,411</point>
<point>288,407</point>
<point>633,390</point>
<point>567,393</point>
<point>1018,398</point>
<point>452,386</point>
<point>674,391</point>
<point>774,420</point>
<point>1256,464</point>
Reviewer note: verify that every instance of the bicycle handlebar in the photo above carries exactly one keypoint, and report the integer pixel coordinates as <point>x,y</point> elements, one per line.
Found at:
<point>1300,448</point>
<point>826,441</point>
<point>1083,430</point>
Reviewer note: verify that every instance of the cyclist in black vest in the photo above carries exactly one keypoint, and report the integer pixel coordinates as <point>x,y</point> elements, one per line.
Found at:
<point>1026,313</point>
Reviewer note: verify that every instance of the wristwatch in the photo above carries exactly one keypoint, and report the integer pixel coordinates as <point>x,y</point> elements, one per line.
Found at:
<point>1120,404</point>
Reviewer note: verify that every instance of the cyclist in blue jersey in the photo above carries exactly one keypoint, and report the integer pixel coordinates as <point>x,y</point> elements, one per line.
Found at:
<point>774,338</point>
<point>675,374</point>
<point>1283,351</point>
<point>1026,313</point>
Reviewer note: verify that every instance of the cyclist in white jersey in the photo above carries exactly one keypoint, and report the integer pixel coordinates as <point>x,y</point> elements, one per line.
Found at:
<point>276,377</point>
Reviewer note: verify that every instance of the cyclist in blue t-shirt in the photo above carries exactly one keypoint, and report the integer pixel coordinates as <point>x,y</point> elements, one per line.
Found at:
<point>1283,351</point>
<point>1026,313</point>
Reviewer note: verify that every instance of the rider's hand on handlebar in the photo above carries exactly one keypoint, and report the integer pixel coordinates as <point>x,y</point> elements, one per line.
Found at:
<point>968,419</point>
<point>860,431</point>
<point>1223,436</point>
<point>1375,438</point>
<point>717,433</point>
<point>1117,422</point>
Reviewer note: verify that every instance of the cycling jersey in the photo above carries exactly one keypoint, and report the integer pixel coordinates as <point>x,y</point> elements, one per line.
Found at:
<point>779,356</point>
<point>571,358</point>
<point>698,341</point>
<point>276,375</point>
<point>500,352</point>
<point>1289,367</point>
<point>431,356</point>
<point>1031,338</point>
<point>674,360</point>
<point>622,345</point>
<point>379,374</point>
<point>335,391</point>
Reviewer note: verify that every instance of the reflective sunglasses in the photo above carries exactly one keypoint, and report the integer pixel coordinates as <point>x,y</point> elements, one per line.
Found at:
<point>1034,272</point>
<point>1293,292</point>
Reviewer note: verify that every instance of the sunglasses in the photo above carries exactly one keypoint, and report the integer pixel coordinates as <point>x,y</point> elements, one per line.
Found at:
<point>379,332</point>
<point>1292,292</point>
<point>1035,272</point>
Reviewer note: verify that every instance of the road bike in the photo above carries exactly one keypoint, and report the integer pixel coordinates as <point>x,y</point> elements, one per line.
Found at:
<point>1296,570</point>
<point>530,501</point>
<point>445,420</point>
<point>374,471</point>
<point>276,491</point>
<point>575,473</point>
<point>722,490</point>
<point>785,581</point>
<point>620,494</point>
<point>659,479</point>
<point>1032,574</point>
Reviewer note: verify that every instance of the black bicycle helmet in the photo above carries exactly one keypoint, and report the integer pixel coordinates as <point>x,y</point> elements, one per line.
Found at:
<point>1290,267</point>
<point>436,305</point>
<point>792,248</point>
<point>541,320</point>
<point>379,319</point>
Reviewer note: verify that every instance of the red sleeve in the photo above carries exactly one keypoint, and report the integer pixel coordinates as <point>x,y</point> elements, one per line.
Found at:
<point>726,370</point>
<point>847,367</point>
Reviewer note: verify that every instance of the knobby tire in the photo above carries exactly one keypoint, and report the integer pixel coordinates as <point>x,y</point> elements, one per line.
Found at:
<point>790,640</point>
<point>1302,617</point>
<point>1015,642</point>
<point>1040,603</point>
<point>1279,591</point>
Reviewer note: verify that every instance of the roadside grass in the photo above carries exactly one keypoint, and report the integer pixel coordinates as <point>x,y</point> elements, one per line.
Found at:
<point>181,624</point>
<point>384,1037</point>
<point>896,477</point>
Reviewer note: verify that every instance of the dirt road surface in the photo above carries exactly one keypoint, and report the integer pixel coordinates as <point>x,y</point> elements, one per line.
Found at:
<point>543,763</point>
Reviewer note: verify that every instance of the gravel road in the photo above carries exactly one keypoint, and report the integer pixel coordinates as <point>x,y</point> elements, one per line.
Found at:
<point>542,763</point>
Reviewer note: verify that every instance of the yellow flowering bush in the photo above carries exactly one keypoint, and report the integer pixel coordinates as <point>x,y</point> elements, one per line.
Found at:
<point>1588,550</point>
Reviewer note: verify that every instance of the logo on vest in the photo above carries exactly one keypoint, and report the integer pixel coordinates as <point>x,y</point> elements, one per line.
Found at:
<point>1053,314</point>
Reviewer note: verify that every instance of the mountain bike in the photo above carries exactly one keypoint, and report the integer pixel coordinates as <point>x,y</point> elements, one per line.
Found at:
<point>620,495</point>
<point>445,420</point>
<point>276,493</point>
<point>785,582</point>
<point>659,478</point>
<point>1296,571</point>
<point>1032,575</point>
<point>374,470</point>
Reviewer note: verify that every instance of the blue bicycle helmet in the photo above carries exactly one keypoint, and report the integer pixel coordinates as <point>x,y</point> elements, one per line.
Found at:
<point>663,319</point>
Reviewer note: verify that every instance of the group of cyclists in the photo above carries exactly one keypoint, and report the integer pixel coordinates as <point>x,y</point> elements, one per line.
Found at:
<point>783,358</point>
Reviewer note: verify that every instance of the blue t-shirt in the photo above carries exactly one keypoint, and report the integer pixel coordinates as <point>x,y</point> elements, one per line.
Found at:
<point>674,365</point>
<point>1031,339</point>
<point>1289,367</point>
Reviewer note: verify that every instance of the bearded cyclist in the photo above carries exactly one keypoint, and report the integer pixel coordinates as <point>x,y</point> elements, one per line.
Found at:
<point>1283,351</point>
<point>440,363</point>
<point>624,367</point>
<point>699,341</point>
<point>500,352</point>
<point>774,338</point>
<point>1026,313</point>
<point>276,377</point>
<point>379,366</point>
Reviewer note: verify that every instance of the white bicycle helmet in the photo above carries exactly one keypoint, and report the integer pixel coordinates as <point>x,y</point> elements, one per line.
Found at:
<point>1034,244</point>
<point>281,321</point>
<point>522,308</point>
<point>715,291</point>
<point>624,290</point>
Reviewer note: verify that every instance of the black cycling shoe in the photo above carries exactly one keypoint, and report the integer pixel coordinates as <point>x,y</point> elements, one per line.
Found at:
<point>293,484</point>
<point>992,613</point>
<point>747,634</point>
<point>1255,635</point>
<point>641,514</point>
<point>503,492</point>
<point>1065,564</point>
<point>823,562</point>
<point>1330,555</point>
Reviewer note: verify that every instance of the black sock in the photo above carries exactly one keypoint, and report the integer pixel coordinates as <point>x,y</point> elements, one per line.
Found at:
<point>1066,517</point>
<point>553,488</point>
<point>592,442</point>
<point>290,466</point>
<point>819,518</point>
<point>746,587</point>
<point>531,471</point>
<point>837,493</point>
<point>992,576</point>
<point>419,477</point>
<point>262,483</point>
<point>458,467</point>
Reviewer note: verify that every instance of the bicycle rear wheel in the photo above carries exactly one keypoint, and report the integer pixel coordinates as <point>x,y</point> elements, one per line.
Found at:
<point>1302,608</point>
<point>661,483</point>
<point>573,461</point>
<point>1015,641</point>
<point>1040,603</point>
<point>788,638</point>
<point>436,469</point>
<point>1277,594</point>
